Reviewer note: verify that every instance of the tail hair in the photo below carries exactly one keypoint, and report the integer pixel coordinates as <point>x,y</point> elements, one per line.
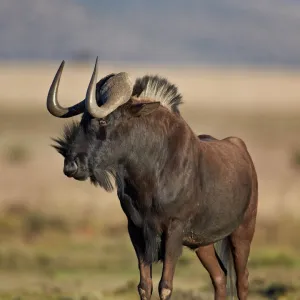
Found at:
<point>224,254</point>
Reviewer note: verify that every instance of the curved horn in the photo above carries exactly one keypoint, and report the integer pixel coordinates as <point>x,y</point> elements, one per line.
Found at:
<point>115,91</point>
<point>53,105</point>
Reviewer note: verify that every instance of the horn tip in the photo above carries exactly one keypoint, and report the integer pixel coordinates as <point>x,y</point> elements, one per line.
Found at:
<point>96,66</point>
<point>62,65</point>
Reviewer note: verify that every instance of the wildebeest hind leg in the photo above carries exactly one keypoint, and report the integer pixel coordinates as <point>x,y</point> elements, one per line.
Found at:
<point>145,286</point>
<point>241,240</point>
<point>208,258</point>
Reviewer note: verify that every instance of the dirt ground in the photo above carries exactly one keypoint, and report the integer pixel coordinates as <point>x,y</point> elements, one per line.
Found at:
<point>63,239</point>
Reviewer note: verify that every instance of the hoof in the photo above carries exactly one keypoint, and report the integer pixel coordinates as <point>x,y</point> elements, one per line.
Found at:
<point>143,294</point>
<point>165,294</point>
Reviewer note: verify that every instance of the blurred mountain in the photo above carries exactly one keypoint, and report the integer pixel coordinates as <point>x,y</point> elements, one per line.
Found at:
<point>264,32</point>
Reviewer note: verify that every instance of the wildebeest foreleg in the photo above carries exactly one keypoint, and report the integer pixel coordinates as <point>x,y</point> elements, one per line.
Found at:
<point>208,258</point>
<point>173,248</point>
<point>145,286</point>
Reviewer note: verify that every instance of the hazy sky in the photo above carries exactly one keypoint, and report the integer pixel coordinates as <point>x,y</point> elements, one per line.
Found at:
<point>182,31</point>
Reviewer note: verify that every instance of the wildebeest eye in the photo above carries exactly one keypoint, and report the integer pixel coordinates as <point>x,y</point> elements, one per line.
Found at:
<point>102,122</point>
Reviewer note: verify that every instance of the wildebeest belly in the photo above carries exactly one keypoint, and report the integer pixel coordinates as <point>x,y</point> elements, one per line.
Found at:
<point>195,237</point>
<point>218,217</point>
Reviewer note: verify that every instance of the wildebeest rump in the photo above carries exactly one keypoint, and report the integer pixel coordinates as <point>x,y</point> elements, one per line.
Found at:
<point>176,188</point>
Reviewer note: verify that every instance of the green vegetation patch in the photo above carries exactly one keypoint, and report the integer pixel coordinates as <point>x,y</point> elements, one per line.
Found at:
<point>274,258</point>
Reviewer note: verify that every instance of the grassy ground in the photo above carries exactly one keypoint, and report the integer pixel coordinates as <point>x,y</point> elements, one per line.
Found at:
<point>49,258</point>
<point>62,239</point>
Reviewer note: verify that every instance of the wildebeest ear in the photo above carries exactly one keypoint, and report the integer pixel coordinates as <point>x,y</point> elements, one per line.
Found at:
<point>139,109</point>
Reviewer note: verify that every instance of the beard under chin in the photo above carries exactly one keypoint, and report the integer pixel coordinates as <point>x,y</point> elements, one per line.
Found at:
<point>103,179</point>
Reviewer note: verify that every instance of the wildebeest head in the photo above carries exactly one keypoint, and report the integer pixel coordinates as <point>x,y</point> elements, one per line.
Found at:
<point>110,102</point>
<point>111,92</point>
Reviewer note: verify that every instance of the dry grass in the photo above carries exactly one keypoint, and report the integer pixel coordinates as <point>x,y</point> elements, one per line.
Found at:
<point>55,233</point>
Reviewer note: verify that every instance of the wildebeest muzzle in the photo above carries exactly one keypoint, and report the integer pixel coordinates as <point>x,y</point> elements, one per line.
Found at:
<point>70,168</point>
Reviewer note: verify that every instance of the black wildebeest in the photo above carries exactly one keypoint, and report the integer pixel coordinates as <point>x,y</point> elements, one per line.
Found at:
<point>176,188</point>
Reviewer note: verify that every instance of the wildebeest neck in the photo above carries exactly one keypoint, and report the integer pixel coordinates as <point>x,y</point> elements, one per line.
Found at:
<point>149,148</point>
